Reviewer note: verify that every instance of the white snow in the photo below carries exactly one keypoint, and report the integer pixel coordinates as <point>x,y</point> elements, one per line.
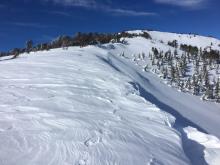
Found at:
<point>189,39</point>
<point>70,107</point>
<point>210,143</point>
<point>89,106</point>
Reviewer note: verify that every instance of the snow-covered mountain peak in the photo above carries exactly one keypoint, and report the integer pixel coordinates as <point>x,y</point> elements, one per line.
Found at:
<point>189,39</point>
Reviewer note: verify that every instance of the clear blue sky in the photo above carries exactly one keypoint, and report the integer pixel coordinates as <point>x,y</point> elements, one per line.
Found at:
<point>43,20</point>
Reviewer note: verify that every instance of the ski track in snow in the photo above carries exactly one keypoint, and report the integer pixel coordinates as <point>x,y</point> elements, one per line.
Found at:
<point>76,107</point>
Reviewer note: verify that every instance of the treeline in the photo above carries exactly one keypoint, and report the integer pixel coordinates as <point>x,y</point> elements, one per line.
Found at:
<point>190,49</point>
<point>194,50</point>
<point>80,39</point>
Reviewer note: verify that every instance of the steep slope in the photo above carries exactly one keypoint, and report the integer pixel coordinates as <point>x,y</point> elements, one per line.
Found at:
<point>189,106</point>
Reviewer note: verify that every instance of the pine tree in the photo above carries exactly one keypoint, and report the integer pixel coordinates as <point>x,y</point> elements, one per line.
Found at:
<point>195,86</point>
<point>172,74</point>
<point>206,79</point>
<point>209,92</point>
<point>188,84</point>
<point>143,56</point>
<point>29,46</point>
<point>217,90</point>
<point>181,85</point>
<point>165,73</point>
<point>15,53</point>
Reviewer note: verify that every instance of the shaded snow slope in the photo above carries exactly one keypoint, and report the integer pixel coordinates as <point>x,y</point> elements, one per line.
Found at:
<point>189,111</point>
<point>205,115</point>
<point>71,107</point>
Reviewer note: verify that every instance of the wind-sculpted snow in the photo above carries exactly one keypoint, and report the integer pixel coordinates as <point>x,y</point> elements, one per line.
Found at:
<point>72,108</point>
<point>90,106</point>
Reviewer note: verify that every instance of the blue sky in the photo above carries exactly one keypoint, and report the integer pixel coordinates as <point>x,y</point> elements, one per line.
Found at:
<point>43,20</point>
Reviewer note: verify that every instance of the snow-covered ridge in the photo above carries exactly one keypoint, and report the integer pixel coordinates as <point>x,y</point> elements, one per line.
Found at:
<point>86,106</point>
<point>189,39</point>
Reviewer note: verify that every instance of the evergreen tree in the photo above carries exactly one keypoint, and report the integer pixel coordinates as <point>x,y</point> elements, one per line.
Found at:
<point>206,79</point>
<point>209,92</point>
<point>29,46</point>
<point>15,53</point>
<point>217,90</point>
<point>172,74</point>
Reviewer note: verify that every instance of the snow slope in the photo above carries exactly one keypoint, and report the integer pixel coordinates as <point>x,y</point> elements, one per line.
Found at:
<point>71,107</point>
<point>186,105</point>
<point>188,110</point>
<point>89,106</point>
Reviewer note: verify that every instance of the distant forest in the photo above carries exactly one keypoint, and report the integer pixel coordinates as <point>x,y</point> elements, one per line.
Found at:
<point>80,39</point>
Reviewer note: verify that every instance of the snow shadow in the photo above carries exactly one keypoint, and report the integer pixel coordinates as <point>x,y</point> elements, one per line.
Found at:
<point>193,150</point>
<point>109,62</point>
<point>180,120</point>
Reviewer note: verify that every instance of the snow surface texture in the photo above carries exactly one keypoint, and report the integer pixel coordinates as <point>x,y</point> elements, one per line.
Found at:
<point>72,108</point>
<point>88,106</point>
